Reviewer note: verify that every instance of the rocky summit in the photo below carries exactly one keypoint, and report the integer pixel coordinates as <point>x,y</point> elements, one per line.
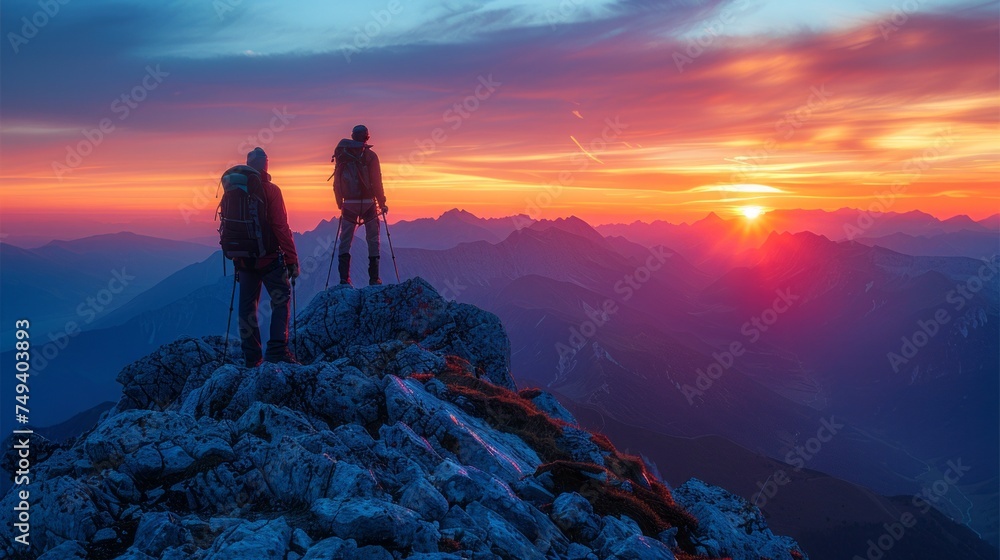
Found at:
<point>400,435</point>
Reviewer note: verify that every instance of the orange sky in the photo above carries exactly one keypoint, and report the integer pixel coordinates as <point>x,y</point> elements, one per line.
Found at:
<point>609,130</point>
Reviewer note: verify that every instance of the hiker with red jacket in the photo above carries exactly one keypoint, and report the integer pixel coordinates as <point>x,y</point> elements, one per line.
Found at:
<point>357,188</point>
<point>273,270</point>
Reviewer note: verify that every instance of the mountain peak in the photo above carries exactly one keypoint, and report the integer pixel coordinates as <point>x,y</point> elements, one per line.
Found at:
<point>712,220</point>
<point>400,433</point>
<point>572,225</point>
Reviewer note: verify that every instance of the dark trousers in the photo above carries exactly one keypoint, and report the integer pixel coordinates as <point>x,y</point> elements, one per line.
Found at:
<point>278,287</point>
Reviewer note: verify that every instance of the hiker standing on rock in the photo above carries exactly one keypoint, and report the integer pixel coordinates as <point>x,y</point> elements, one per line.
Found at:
<point>255,234</point>
<point>357,188</point>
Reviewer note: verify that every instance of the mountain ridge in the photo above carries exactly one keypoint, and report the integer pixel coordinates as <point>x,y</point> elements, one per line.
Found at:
<point>402,433</point>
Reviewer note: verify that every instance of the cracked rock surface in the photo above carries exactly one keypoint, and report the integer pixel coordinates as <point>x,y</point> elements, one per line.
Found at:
<point>400,435</point>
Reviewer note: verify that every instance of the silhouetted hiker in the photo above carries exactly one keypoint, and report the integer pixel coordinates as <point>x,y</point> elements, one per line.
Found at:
<point>357,188</point>
<point>256,236</point>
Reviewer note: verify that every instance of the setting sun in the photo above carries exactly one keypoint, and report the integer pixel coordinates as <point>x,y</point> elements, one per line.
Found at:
<point>751,212</point>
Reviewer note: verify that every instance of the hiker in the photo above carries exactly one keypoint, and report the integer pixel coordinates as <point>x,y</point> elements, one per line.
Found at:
<point>263,211</point>
<point>357,188</point>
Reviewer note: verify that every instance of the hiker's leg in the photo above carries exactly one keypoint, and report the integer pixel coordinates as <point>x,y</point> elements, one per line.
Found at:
<point>348,223</point>
<point>372,229</point>
<point>249,330</point>
<point>280,290</point>
<point>372,237</point>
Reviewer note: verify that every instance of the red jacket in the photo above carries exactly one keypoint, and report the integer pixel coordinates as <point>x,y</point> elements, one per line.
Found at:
<point>277,218</point>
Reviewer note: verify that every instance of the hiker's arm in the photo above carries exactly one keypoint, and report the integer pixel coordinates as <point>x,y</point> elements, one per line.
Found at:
<point>279,225</point>
<point>375,174</point>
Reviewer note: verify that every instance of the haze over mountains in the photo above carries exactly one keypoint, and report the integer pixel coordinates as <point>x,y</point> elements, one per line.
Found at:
<point>730,343</point>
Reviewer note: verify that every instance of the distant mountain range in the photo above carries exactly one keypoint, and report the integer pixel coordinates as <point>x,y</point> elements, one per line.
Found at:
<point>83,280</point>
<point>716,244</point>
<point>626,322</point>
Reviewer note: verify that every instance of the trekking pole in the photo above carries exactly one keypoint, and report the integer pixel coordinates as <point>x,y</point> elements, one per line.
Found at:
<point>229,322</point>
<point>333,255</point>
<point>295,312</point>
<point>389,237</point>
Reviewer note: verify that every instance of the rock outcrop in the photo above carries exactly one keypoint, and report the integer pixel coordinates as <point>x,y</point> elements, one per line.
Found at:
<point>401,435</point>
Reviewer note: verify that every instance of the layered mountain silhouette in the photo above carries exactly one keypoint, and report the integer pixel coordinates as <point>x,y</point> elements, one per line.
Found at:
<point>84,279</point>
<point>401,434</point>
<point>624,373</point>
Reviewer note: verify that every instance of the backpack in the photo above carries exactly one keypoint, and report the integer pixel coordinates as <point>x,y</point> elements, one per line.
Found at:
<point>244,231</point>
<point>353,174</point>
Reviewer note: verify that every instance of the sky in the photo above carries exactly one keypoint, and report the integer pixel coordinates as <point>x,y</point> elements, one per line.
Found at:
<point>122,114</point>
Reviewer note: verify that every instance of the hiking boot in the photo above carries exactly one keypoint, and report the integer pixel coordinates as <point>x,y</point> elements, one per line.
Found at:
<point>373,279</point>
<point>344,268</point>
<point>254,363</point>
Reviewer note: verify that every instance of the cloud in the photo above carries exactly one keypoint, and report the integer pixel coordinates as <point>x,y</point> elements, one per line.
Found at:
<point>750,98</point>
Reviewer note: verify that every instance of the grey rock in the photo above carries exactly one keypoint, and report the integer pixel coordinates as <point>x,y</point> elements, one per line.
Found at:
<point>730,524</point>
<point>370,521</point>
<point>422,497</point>
<point>160,380</point>
<point>573,514</point>
<point>338,322</point>
<point>301,542</point>
<point>580,446</point>
<point>504,539</point>
<point>614,530</point>
<point>134,554</point>
<point>669,537</point>
<point>293,461</point>
<point>548,404</point>
<point>158,531</point>
<point>638,547</point>
<point>473,441</point>
<point>149,445</point>
<point>68,509</point>
<point>104,536</point>
<point>578,551</point>
<point>252,539</point>
<point>68,550</point>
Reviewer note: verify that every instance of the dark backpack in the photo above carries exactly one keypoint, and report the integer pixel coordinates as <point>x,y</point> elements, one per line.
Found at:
<point>244,231</point>
<point>353,174</point>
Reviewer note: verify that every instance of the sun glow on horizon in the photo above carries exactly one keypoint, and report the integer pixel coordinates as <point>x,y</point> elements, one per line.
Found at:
<point>751,212</point>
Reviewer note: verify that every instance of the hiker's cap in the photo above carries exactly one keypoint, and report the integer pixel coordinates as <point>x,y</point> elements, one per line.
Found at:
<point>257,159</point>
<point>360,133</point>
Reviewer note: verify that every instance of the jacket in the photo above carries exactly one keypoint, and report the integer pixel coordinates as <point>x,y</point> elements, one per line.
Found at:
<point>373,179</point>
<point>277,218</point>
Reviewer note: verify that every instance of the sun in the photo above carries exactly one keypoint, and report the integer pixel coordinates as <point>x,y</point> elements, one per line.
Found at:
<point>751,212</point>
